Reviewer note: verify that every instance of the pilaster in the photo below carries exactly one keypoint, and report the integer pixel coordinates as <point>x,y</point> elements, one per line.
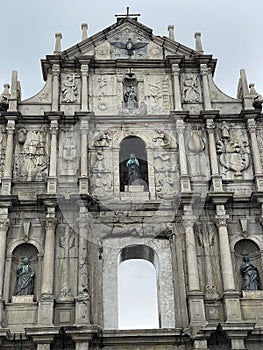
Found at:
<point>83,180</point>
<point>46,304</point>
<point>176,86</point>
<point>251,126</point>
<point>184,176</point>
<point>85,87</point>
<point>55,86</point>
<point>195,296</point>
<point>231,296</point>
<point>216,178</point>
<point>204,70</point>
<point>7,176</point>
<point>52,178</point>
<point>83,299</point>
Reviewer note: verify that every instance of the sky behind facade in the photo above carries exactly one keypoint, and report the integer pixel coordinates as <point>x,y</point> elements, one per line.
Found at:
<point>231,31</point>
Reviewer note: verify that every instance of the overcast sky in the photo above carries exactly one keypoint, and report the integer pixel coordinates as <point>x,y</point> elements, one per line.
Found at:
<point>231,30</point>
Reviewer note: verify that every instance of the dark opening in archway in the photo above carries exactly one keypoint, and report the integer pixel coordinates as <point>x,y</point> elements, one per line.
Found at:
<point>133,145</point>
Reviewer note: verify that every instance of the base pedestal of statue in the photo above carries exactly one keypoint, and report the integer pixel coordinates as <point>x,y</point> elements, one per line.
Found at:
<point>252,294</point>
<point>133,188</point>
<point>22,299</point>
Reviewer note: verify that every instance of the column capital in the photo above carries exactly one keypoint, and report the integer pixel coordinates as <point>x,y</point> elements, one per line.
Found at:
<point>189,221</point>
<point>251,125</point>
<point>221,220</point>
<point>4,224</point>
<point>84,69</point>
<point>55,69</point>
<point>175,69</point>
<point>204,70</point>
<point>210,125</point>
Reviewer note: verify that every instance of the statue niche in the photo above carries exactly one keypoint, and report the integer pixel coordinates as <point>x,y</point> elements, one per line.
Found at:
<point>133,165</point>
<point>248,265</point>
<point>24,271</point>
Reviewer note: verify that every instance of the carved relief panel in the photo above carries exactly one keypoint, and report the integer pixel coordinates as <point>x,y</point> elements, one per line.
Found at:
<point>197,153</point>
<point>101,171</point>
<point>165,164</point>
<point>233,152</point>
<point>31,154</point>
<point>70,88</point>
<point>69,153</point>
<point>157,94</point>
<point>104,94</point>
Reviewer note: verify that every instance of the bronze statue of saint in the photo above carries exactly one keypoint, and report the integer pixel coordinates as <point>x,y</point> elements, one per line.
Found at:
<point>133,167</point>
<point>250,275</point>
<point>24,279</point>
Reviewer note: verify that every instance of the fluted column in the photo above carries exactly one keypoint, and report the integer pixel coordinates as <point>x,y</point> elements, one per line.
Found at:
<point>195,296</point>
<point>52,178</point>
<point>216,178</point>
<point>83,180</point>
<point>7,176</point>
<point>55,87</point>
<point>185,180</point>
<point>45,315</point>
<point>231,296</point>
<point>83,299</point>
<point>204,70</point>
<point>85,87</point>
<point>251,125</point>
<point>176,85</point>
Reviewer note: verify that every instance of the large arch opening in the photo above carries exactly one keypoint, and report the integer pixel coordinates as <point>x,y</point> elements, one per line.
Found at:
<point>133,145</point>
<point>138,288</point>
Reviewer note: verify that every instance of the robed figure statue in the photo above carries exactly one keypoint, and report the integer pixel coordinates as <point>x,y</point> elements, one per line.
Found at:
<point>24,279</point>
<point>133,169</point>
<point>250,275</point>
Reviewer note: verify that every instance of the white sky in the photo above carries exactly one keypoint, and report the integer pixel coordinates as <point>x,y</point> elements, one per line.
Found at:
<point>231,30</point>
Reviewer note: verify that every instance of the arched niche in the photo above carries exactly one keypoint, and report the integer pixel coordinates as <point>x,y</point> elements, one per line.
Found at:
<point>24,250</point>
<point>247,248</point>
<point>138,306</point>
<point>133,145</point>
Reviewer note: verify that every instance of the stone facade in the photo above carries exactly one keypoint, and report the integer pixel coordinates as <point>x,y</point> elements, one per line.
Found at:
<point>195,211</point>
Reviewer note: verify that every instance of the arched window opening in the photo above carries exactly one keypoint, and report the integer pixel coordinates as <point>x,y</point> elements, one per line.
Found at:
<point>133,147</point>
<point>248,265</point>
<point>26,285</point>
<point>138,288</point>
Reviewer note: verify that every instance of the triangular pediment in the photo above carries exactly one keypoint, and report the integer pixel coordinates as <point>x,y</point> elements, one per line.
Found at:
<point>127,39</point>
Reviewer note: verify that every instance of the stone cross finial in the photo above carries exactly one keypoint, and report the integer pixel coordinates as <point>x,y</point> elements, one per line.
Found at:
<point>171,31</point>
<point>57,50</point>
<point>198,43</point>
<point>84,28</point>
<point>128,14</point>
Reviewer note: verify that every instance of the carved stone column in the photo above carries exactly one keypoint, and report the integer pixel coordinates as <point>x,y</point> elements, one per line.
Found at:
<point>176,244</point>
<point>85,87</point>
<point>83,180</point>
<point>4,226</point>
<point>7,176</point>
<point>176,86</point>
<point>204,70</point>
<point>196,301</point>
<point>83,299</point>
<point>55,87</point>
<point>231,296</point>
<point>216,178</point>
<point>251,125</point>
<point>45,316</point>
<point>52,178</point>
<point>185,179</point>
